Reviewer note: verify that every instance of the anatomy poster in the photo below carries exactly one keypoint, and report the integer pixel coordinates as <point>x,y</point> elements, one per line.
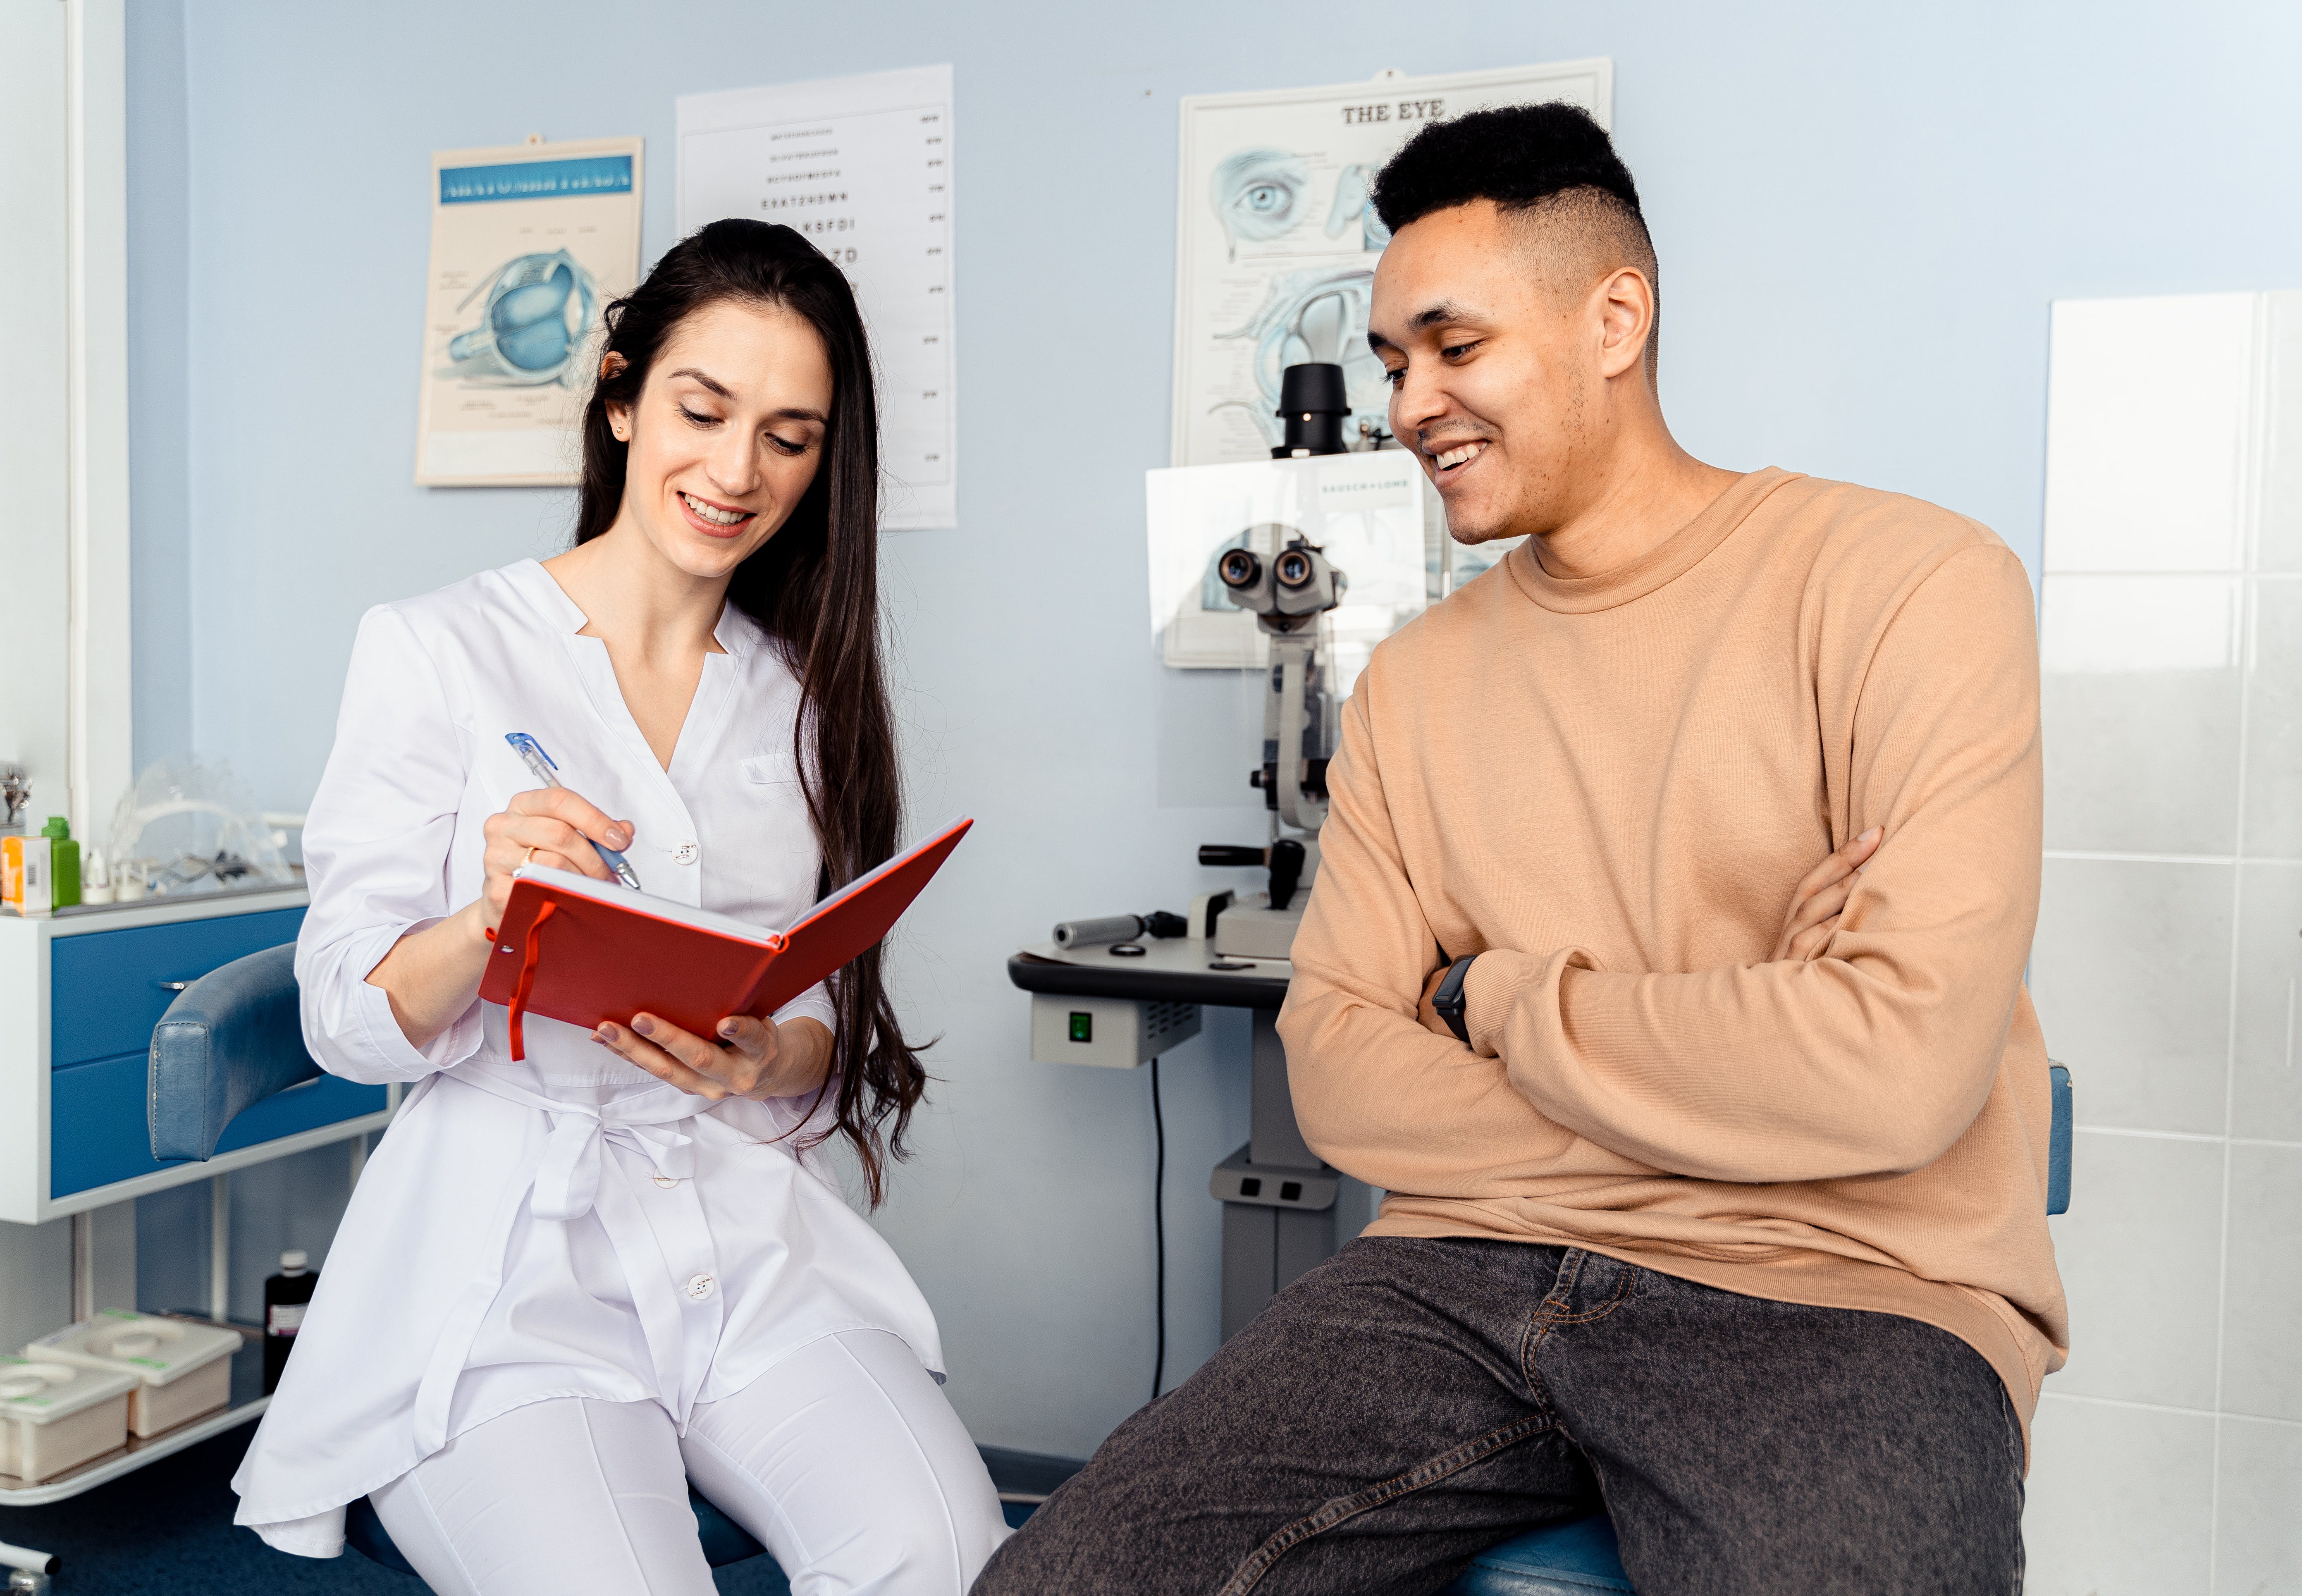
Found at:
<point>1277,242</point>
<point>863,167</point>
<point>529,243</point>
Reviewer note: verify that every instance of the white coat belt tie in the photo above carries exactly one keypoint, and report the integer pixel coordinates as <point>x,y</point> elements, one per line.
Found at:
<point>568,1181</point>
<point>563,1181</point>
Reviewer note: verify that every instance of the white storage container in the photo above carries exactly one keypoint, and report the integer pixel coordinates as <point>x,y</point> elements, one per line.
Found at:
<point>55,1417</point>
<point>185,1370</point>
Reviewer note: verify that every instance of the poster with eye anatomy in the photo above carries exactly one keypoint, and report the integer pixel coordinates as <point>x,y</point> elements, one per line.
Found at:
<point>529,243</point>
<point>1276,241</point>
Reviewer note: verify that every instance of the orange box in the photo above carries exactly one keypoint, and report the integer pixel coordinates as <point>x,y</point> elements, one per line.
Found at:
<point>26,885</point>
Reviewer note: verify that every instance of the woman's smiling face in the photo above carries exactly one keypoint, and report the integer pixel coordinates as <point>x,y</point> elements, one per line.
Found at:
<point>727,435</point>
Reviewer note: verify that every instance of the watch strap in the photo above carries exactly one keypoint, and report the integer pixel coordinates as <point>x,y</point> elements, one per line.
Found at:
<point>1448,1000</point>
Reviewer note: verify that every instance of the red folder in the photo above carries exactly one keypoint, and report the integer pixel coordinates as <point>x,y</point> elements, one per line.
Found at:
<point>584,950</point>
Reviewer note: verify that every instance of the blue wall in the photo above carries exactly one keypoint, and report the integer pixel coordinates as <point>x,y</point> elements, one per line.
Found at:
<point>1861,214</point>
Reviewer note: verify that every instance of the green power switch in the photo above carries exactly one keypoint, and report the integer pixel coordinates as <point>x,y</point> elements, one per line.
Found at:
<point>1082,1028</point>
<point>64,861</point>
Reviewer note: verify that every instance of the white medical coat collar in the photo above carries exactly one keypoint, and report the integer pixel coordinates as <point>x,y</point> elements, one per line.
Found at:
<point>735,631</point>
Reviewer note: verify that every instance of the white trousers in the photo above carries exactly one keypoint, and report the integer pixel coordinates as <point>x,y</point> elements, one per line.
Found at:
<point>843,1461</point>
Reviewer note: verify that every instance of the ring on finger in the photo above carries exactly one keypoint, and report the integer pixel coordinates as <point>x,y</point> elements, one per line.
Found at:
<point>531,855</point>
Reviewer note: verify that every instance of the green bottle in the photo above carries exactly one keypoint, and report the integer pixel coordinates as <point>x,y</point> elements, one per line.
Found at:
<point>64,861</point>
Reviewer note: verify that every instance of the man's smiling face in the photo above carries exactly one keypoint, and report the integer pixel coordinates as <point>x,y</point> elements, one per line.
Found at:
<point>1493,365</point>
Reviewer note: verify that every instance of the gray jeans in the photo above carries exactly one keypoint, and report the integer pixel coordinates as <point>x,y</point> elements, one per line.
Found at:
<point>1409,1403</point>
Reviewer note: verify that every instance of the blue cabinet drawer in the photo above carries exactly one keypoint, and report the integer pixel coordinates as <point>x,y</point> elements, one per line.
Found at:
<point>105,994</point>
<point>98,1132</point>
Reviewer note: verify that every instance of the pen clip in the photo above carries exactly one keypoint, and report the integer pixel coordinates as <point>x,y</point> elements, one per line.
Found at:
<point>526,745</point>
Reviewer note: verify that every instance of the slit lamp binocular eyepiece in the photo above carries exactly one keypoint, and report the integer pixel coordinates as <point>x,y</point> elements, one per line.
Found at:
<point>1295,583</point>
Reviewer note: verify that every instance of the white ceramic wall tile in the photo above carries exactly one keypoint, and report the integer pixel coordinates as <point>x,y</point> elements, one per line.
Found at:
<point>2274,721</point>
<point>2258,1528</point>
<point>2261,1322</point>
<point>2267,1062</point>
<point>2174,461</point>
<point>2121,1500</point>
<point>2140,1256</point>
<point>2147,415</point>
<point>2130,973</point>
<point>2140,691</point>
<point>2279,520</point>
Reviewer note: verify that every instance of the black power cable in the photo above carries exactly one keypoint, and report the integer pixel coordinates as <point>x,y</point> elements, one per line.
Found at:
<point>1159,1226</point>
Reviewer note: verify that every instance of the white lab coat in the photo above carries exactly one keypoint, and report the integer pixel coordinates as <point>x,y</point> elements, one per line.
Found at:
<point>568,1225</point>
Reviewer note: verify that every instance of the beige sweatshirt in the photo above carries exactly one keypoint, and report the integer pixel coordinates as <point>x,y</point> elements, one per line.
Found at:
<point>1608,787</point>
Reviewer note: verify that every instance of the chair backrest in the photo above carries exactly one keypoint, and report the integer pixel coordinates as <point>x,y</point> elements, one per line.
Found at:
<point>231,1038</point>
<point>2058,1140</point>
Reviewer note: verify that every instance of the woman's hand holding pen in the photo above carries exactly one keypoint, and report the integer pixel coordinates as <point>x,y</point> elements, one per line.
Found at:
<point>750,1058</point>
<point>431,976</point>
<point>550,826</point>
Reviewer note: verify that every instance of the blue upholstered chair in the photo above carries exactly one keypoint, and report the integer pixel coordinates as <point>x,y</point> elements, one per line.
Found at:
<point>234,1037</point>
<point>230,1040</point>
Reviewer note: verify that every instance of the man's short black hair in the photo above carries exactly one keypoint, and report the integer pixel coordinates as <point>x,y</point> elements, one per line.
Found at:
<point>1516,155</point>
<point>1552,164</point>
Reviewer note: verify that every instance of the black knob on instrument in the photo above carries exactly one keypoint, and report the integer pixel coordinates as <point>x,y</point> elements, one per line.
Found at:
<point>1225,853</point>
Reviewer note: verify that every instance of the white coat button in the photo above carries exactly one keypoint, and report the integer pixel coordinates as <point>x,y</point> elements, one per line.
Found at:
<point>701,1286</point>
<point>685,853</point>
<point>666,1181</point>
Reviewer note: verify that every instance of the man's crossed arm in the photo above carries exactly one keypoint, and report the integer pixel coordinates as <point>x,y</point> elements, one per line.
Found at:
<point>1865,1045</point>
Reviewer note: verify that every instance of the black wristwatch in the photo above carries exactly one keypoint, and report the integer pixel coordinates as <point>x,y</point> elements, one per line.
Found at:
<point>1448,999</point>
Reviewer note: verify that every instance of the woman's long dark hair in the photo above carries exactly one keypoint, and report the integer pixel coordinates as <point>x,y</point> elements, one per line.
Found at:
<point>814,586</point>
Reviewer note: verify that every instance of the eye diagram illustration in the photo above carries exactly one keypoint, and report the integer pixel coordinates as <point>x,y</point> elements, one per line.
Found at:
<point>1316,314</point>
<point>1259,195</point>
<point>1355,202</point>
<point>532,327</point>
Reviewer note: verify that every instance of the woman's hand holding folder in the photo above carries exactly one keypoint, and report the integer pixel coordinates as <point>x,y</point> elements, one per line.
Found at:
<point>751,1058</point>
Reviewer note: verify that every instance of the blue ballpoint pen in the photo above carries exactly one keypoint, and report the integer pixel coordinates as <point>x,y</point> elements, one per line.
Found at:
<point>539,762</point>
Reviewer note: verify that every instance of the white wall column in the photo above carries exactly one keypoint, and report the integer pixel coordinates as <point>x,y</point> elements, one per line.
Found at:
<point>64,415</point>
<point>100,718</point>
<point>35,411</point>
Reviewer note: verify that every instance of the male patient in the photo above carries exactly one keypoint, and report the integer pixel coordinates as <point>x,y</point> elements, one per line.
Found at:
<point>1728,1217</point>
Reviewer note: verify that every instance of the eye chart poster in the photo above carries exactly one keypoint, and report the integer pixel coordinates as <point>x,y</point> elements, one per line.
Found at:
<point>863,167</point>
<point>529,243</point>
<point>1276,240</point>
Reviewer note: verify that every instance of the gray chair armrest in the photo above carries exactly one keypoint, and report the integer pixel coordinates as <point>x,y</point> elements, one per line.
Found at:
<point>231,1039</point>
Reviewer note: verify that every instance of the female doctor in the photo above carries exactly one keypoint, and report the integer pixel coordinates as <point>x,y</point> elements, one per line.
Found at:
<point>568,1285</point>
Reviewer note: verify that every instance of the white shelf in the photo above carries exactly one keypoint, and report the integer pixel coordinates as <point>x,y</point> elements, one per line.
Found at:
<point>247,1404</point>
<point>222,1163</point>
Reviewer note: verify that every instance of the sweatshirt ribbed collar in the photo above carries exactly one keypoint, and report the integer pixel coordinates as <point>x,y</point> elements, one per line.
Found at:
<point>1666,561</point>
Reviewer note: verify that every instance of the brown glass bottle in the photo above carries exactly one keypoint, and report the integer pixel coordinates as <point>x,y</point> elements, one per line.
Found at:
<point>284,1297</point>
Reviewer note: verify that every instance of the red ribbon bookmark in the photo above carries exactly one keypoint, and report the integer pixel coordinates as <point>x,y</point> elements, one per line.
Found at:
<point>527,976</point>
